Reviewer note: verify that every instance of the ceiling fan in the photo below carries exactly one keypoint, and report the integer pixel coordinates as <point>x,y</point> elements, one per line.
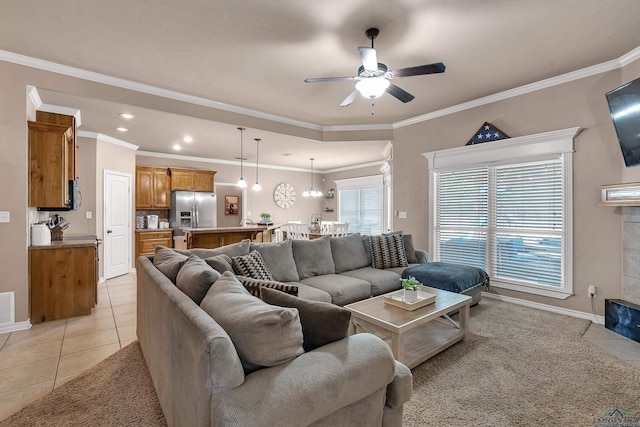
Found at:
<point>373,77</point>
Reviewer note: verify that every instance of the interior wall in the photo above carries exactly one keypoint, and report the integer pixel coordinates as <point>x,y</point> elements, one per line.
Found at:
<point>597,161</point>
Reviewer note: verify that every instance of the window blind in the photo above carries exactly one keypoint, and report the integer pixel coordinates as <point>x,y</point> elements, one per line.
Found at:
<point>362,209</point>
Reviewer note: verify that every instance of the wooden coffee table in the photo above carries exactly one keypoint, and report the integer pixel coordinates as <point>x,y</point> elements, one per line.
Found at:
<point>414,336</point>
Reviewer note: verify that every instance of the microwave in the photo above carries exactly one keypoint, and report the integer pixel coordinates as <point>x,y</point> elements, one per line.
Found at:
<point>74,199</point>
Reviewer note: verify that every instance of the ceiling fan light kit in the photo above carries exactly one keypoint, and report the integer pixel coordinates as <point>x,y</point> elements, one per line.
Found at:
<point>373,77</point>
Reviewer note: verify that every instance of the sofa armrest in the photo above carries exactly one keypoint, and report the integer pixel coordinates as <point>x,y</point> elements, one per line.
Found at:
<point>423,256</point>
<point>310,387</point>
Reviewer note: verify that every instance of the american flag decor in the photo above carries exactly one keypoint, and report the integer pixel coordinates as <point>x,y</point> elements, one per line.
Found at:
<point>486,133</point>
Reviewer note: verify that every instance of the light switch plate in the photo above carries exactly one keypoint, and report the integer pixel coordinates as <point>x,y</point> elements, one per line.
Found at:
<point>88,215</point>
<point>402,215</point>
<point>5,216</point>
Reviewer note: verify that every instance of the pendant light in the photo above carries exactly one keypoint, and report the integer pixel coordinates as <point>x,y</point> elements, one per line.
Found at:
<point>311,191</point>
<point>257,186</point>
<point>241,182</point>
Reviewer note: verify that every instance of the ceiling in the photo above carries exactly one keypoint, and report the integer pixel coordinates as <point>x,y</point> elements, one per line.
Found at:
<point>255,55</point>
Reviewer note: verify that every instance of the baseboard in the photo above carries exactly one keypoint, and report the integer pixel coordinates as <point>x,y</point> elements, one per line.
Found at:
<point>546,307</point>
<point>14,327</point>
<point>101,279</point>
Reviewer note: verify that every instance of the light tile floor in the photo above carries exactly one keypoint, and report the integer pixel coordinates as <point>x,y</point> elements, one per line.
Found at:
<point>35,361</point>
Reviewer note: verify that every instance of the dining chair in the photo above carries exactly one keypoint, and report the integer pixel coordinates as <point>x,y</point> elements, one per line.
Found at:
<point>340,229</point>
<point>298,231</point>
<point>326,227</point>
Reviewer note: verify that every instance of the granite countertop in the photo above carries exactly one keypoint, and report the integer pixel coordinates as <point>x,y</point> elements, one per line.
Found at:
<point>68,242</point>
<point>148,230</point>
<point>215,230</point>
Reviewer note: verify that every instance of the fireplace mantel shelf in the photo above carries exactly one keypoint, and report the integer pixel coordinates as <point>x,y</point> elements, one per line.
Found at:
<point>621,194</point>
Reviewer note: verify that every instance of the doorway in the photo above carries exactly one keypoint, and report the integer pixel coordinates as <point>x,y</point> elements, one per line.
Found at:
<point>117,224</point>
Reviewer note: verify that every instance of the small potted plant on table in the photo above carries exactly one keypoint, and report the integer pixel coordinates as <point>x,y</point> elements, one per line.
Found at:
<point>411,286</point>
<point>265,217</point>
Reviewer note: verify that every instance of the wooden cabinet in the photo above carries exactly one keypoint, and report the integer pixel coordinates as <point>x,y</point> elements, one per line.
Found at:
<point>146,241</point>
<point>72,147</point>
<point>51,164</point>
<point>153,188</point>
<point>191,180</point>
<point>62,282</point>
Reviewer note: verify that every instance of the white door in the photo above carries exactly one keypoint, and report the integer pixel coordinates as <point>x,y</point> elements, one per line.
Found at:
<point>117,224</point>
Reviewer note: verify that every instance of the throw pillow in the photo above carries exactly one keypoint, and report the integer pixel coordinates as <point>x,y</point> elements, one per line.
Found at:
<point>195,278</point>
<point>263,335</point>
<point>278,258</point>
<point>220,263</point>
<point>313,257</point>
<point>251,265</point>
<point>169,262</point>
<point>409,248</point>
<point>388,251</point>
<point>322,322</point>
<point>348,253</point>
<point>254,286</point>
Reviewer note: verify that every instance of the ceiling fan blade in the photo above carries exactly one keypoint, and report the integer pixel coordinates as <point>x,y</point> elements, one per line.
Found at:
<point>401,94</point>
<point>329,79</point>
<point>369,58</point>
<point>350,98</point>
<point>438,67</point>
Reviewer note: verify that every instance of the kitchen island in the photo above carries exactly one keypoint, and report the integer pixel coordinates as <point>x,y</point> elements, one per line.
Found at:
<point>219,236</point>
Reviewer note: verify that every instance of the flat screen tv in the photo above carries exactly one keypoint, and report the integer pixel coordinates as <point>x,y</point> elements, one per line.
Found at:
<point>624,104</point>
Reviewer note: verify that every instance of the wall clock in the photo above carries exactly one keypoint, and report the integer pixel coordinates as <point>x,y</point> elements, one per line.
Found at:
<point>284,195</point>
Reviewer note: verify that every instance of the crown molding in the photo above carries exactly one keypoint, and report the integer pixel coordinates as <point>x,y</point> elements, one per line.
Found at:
<point>178,96</point>
<point>107,138</point>
<point>34,97</point>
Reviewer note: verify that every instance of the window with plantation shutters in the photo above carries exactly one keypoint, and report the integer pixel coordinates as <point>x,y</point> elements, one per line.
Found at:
<point>506,207</point>
<point>360,204</point>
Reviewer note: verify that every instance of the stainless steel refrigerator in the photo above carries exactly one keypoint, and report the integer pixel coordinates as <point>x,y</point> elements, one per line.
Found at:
<point>193,209</point>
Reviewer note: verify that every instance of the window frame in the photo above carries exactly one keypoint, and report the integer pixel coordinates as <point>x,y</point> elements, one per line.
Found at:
<point>531,148</point>
<point>359,183</point>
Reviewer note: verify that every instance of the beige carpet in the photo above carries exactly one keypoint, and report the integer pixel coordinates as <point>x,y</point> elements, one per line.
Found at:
<point>519,367</point>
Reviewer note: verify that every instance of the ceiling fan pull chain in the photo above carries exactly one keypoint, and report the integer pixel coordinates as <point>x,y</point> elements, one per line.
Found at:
<point>373,104</point>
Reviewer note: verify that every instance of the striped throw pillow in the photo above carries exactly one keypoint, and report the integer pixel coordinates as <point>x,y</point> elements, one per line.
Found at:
<point>251,265</point>
<point>387,251</point>
<point>254,286</point>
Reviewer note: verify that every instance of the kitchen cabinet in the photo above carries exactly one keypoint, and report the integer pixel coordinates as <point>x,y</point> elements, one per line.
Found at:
<point>62,281</point>
<point>146,241</point>
<point>192,180</point>
<point>51,164</point>
<point>153,188</point>
<point>70,121</point>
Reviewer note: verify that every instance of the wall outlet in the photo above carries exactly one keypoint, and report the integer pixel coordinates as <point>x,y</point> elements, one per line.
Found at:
<point>5,216</point>
<point>592,291</point>
<point>88,215</point>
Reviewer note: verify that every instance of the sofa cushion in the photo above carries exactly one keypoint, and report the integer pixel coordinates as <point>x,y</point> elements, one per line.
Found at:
<point>382,281</point>
<point>169,262</point>
<point>251,265</point>
<point>279,260</point>
<point>343,289</point>
<point>254,286</point>
<point>310,293</point>
<point>234,249</point>
<point>348,252</point>
<point>220,263</point>
<point>387,251</point>
<point>263,335</point>
<point>313,257</point>
<point>322,323</point>
<point>195,278</point>
<point>409,248</point>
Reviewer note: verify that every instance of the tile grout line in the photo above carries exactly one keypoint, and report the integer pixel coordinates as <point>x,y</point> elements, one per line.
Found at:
<point>55,377</point>
<point>106,284</point>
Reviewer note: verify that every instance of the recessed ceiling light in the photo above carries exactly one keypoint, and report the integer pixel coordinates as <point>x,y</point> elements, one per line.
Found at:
<point>177,147</point>
<point>187,139</point>
<point>127,116</point>
<point>121,129</point>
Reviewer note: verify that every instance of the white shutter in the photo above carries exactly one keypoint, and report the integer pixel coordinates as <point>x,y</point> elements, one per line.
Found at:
<point>461,216</point>
<point>528,219</point>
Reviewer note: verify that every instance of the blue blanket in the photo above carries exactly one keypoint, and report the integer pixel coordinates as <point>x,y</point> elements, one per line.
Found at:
<point>449,277</point>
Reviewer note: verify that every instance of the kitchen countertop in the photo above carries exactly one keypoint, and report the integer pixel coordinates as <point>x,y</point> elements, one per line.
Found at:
<point>215,230</point>
<point>147,230</point>
<point>68,242</point>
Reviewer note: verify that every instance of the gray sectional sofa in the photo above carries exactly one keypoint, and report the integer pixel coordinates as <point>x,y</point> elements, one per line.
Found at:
<point>199,372</point>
